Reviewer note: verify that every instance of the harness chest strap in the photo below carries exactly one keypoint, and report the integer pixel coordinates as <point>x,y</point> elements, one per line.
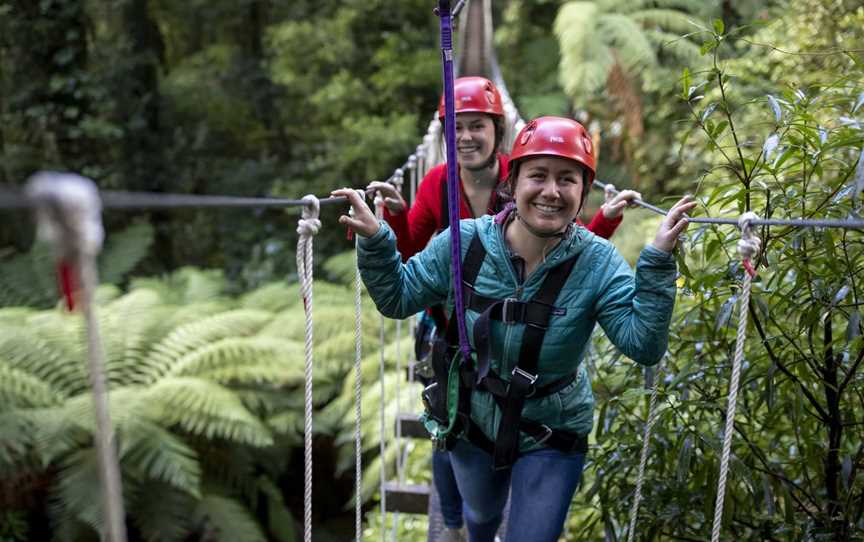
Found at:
<point>511,395</point>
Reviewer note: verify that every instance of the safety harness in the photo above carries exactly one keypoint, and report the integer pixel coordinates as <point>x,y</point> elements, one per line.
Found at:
<point>476,373</point>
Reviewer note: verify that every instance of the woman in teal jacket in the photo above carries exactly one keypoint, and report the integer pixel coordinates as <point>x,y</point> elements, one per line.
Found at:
<point>530,406</point>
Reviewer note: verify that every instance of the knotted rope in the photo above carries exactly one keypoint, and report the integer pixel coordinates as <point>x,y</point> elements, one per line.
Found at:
<point>358,389</point>
<point>68,212</point>
<point>643,459</point>
<point>748,248</point>
<point>307,227</point>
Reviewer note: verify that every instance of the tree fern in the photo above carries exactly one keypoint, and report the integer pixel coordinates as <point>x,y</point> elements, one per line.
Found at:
<point>595,36</point>
<point>192,336</point>
<point>206,409</point>
<point>123,251</point>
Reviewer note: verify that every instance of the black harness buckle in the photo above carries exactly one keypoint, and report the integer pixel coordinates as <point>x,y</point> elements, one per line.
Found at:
<point>522,382</point>
<point>546,435</point>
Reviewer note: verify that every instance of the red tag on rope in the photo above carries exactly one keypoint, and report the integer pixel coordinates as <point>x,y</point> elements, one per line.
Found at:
<point>749,268</point>
<point>68,282</point>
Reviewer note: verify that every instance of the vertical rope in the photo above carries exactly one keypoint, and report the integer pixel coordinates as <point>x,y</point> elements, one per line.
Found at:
<point>643,459</point>
<point>307,226</point>
<point>382,445</point>
<point>748,247</point>
<point>69,216</point>
<point>358,392</point>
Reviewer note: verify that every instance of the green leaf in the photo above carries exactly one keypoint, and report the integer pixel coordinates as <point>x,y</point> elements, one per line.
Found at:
<point>719,26</point>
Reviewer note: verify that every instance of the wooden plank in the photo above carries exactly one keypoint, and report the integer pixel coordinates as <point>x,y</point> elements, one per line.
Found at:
<point>406,498</point>
<point>410,426</point>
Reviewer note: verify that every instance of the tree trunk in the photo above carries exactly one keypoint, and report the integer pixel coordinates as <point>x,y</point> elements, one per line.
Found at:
<point>833,505</point>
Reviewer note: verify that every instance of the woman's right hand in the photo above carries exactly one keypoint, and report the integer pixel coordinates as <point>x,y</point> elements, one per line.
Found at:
<point>392,198</point>
<point>363,222</point>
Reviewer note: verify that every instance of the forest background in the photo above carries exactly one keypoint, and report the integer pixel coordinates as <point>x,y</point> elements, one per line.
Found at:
<point>748,104</point>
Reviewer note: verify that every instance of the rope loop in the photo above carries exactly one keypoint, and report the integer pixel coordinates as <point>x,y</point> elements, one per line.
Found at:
<point>749,245</point>
<point>68,213</point>
<point>309,224</point>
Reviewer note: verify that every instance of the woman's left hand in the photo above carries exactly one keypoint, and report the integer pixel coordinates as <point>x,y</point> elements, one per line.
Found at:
<point>673,225</point>
<point>363,221</point>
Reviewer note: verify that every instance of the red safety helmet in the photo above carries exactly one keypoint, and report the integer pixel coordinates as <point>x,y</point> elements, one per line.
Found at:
<point>556,136</point>
<point>474,95</point>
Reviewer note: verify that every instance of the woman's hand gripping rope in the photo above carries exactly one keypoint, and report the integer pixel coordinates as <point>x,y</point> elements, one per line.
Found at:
<point>673,225</point>
<point>360,219</point>
<point>392,198</point>
<point>616,203</point>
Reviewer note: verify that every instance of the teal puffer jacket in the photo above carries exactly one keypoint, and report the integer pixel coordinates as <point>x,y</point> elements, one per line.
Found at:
<point>634,311</point>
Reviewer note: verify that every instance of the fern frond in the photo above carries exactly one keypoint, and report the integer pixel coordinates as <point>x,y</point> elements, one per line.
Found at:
<point>78,495</point>
<point>186,285</point>
<point>626,38</point>
<point>123,251</point>
<point>195,335</point>
<point>151,452</point>
<point>280,358</point>
<point>46,351</point>
<point>130,324</point>
<point>160,512</point>
<point>273,297</point>
<point>669,20</point>
<point>206,409</point>
<point>685,51</point>
<point>228,519</point>
<point>28,279</point>
<point>585,58</point>
<point>19,389</point>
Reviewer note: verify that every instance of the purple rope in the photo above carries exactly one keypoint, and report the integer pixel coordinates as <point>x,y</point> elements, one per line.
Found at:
<point>454,191</point>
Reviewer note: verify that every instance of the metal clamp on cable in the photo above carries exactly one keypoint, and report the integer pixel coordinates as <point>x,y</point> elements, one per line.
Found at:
<point>510,311</point>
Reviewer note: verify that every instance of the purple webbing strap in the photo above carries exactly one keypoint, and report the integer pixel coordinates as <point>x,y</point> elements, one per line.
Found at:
<point>454,191</point>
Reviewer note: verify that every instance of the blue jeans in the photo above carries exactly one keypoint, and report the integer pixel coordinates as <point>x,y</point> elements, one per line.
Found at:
<point>541,485</point>
<point>448,491</point>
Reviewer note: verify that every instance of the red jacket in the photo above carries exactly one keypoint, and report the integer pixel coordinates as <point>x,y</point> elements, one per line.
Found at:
<point>414,228</point>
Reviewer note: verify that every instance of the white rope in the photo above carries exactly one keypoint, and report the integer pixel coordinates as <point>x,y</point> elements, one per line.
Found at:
<point>69,217</point>
<point>748,247</point>
<point>643,459</point>
<point>382,445</point>
<point>358,390</point>
<point>307,227</point>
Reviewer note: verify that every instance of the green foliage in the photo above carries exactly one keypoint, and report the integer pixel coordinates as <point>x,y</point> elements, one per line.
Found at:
<point>795,153</point>
<point>28,278</point>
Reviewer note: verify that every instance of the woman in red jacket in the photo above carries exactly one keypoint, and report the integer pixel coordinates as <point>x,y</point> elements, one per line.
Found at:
<point>482,171</point>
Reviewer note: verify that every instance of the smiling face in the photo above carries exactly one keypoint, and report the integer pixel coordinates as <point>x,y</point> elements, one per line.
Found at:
<point>548,192</point>
<point>475,139</point>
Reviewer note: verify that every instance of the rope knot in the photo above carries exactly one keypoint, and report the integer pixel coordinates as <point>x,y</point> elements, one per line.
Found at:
<point>749,245</point>
<point>309,224</point>
<point>412,162</point>
<point>68,212</point>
